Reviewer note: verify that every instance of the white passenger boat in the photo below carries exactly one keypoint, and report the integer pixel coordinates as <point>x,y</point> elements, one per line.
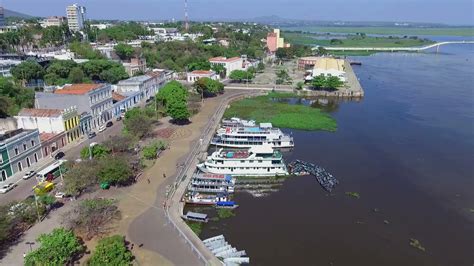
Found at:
<point>260,160</point>
<point>237,122</point>
<point>248,136</point>
<point>211,183</point>
<point>205,199</point>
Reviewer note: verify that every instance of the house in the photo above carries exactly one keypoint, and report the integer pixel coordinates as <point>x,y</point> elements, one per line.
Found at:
<point>136,65</point>
<point>230,64</point>
<point>147,85</point>
<point>51,142</point>
<point>53,121</point>
<point>95,99</point>
<point>328,67</point>
<point>124,102</point>
<point>197,74</point>
<point>20,149</point>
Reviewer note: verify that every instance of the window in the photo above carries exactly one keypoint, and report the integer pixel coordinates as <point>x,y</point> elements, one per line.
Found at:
<point>28,162</point>
<point>36,157</point>
<point>20,167</point>
<point>25,147</point>
<point>3,176</point>
<point>16,150</point>
<point>45,151</point>
<point>32,143</point>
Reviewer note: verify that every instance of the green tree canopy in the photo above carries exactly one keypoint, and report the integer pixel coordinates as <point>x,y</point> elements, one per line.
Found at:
<point>178,110</point>
<point>76,75</point>
<point>137,123</point>
<point>111,251</point>
<point>104,70</point>
<point>124,51</point>
<point>199,65</point>
<point>98,151</point>
<point>240,75</point>
<point>27,70</point>
<point>115,170</point>
<point>323,82</point>
<point>14,97</point>
<point>208,87</point>
<point>85,51</point>
<point>57,248</point>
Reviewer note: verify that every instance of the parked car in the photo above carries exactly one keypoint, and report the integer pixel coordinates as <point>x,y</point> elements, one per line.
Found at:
<point>118,118</point>
<point>60,195</point>
<point>102,128</point>
<point>5,188</point>
<point>109,124</point>
<point>29,174</point>
<point>91,135</point>
<point>59,155</point>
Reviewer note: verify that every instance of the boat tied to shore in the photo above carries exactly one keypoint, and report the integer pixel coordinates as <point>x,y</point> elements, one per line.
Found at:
<point>211,183</point>
<point>325,179</point>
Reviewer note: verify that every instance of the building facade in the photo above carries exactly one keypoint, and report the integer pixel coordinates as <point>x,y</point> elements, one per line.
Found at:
<point>20,150</point>
<point>197,74</point>
<point>55,21</point>
<point>51,142</point>
<point>95,99</point>
<point>275,41</point>
<point>136,65</point>
<point>230,64</point>
<point>147,85</point>
<point>75,17</point>
<point>2,16</point>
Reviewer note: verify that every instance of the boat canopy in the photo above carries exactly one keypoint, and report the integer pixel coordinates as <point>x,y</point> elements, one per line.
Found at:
<point>266,125</point>
<point>196,215</point>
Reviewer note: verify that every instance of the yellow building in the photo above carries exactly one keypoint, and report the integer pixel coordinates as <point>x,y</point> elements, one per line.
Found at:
<point>71,124</point>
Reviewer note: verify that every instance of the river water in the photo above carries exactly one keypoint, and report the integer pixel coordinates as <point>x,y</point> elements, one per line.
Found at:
<point>407,148</point>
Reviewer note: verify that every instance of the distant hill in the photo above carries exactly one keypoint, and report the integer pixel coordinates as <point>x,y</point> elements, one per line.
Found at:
<point>11,13</point>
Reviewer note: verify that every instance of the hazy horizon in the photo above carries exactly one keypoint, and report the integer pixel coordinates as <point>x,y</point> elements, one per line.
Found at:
<point>455,12</point>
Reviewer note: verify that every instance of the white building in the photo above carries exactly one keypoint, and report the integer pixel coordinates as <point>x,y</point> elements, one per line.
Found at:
<point>53,21</point>
<point>76,17</point>
<point>230,64</point>
<point>147,85</point>
<point>328,67</point>
<point>6,65</point>
<point>197,74</point>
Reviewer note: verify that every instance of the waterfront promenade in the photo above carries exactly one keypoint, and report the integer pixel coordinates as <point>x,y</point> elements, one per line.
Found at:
<point>146,222</point>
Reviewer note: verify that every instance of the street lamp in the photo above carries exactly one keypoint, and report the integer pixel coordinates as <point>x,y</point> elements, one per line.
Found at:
<point>30,244</point>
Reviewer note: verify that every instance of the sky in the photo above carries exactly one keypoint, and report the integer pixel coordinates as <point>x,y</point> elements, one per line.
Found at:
<point>455,12</point>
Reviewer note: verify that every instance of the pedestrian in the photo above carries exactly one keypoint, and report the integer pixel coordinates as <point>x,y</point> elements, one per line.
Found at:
<point>141,245</point>
<point>148,180</point>
<point>164,175</point>
<point>24,255</point>
<point>131,248</point>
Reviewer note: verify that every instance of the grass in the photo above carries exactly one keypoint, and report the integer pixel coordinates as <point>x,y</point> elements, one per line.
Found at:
<point>441,31</point>
<point>353,41</point>
<point>353,194</point>
<point>416,244</point>
<point>297,116</point>
<point>225,213</point>
<point>195,226</point>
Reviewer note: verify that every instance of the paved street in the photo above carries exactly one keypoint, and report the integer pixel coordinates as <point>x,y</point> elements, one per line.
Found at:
<point>25,187</point>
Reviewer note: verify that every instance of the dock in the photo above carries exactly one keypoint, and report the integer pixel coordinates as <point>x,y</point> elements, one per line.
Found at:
<point>224,251</point>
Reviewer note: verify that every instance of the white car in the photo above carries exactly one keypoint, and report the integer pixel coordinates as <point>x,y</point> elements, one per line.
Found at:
<point>29,174</point>
<point>102,128</point>
<point>60,195</point>
<point>5,188</point>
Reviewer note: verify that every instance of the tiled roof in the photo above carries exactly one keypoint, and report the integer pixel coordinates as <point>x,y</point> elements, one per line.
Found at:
<point>224,59</point>
<point>117,97</point>
<point>46,136</point>
<point>202,72</point>
<point>78,89</point>
<point>40,112</point>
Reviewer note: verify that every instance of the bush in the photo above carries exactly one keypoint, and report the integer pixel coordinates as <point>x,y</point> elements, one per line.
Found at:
<point>98,151</point>
<point>114,170</point>
<point>111,251</point>
<point>150,152</point>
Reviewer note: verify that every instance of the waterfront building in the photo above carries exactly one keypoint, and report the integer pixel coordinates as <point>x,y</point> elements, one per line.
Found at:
<point>327,66</point>
<point>56,21</point>
<point>275,41</point>
<point>20,149</point>
<point>75,17</point>
<point>197,74</point>
<point>230,64</point>
<point>260,160</point>
<point>95,99</point>
<point>53,121</point>
<point>249,136</point>
<point>306,63</point>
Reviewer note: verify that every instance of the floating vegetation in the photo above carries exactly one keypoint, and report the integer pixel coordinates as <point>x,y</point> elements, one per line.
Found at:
<point>353,194</point>
<point>471,210</point>
<point>195,226</point>
<point>360,222</point>
<point>225,213</point>
<point>416,244</point>
<point>386,222</point>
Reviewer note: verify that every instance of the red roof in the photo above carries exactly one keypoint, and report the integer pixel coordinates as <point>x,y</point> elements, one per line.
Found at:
<point>78,89</point>
<point>224,59</point>
<point>202,72</point>
<point>40,112</point>
<point>117,97</point>
<point>47,136</point>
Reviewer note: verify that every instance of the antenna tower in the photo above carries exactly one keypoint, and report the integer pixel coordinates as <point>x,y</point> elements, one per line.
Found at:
<point>186,18</point>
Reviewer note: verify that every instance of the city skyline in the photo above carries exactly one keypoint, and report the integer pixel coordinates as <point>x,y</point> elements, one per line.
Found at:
<point>457,12</point>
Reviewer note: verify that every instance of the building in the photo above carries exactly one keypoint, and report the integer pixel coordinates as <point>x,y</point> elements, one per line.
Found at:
<point>95,99</point>
<point>51,142</point>
<point>197,74</point>
<point>75,17</point>
<point>147,85</point>
<point>136,65</point>
<point>20,149</point>
<point>328,67</point>
<point>124,102</point>
<point>305,63</point>
<point>2,16</point>
<point>275,41</point>
<point>53,121</point>
<point>53,21</point>
<point>6,66</point>
<point>230,64</point>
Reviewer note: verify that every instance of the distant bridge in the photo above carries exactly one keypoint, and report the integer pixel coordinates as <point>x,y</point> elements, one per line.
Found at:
<point>395,49</point>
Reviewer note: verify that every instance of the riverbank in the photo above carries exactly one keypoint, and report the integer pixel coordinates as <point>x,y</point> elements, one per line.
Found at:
<point>272,108</point>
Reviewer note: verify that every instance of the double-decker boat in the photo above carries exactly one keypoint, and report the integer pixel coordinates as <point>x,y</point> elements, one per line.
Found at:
<point>260,160</point>
<point>237,122</point>
<point>248,136</point>
<point>211,183</point>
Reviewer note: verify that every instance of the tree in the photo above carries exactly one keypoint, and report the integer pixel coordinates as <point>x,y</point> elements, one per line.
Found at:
<point>111,251</point>
<point>47,200</point>
<point>283,77</point>
<point>91,217</point>
<point>281,53</point>
<point>199,65</point>
<point>14,97</point>
<point>219,69</point>
<point>5,106</point>
<point>114,170</point>
<point>137,123</point>
<point>81,176</point>
<point>299,85</point>
<point>172,90</point>
<point>178,110</point>
<point>118,143</point>
<point>124,51</point>
<point>76,75</point>
<point>208,87</point>
<point>319,81</point>
<point>150,152</point>
<point>261,67</point>
<point>98,151</point>
<point>57,248</point>
<point>114,75</point>
<point>27,70</point>
<point>333,82</point>
<point>240,75</point>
